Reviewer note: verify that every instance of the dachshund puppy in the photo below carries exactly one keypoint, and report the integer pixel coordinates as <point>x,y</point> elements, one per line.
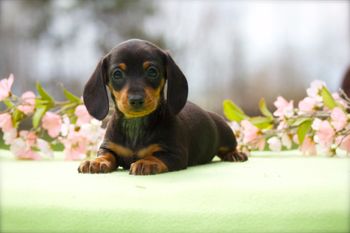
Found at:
<point>148,132</point>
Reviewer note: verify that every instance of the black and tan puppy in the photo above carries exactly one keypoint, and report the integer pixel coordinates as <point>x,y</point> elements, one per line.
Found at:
<point>148,132</point>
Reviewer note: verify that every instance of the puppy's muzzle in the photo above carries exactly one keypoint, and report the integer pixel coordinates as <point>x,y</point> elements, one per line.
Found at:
<point>136,101</point>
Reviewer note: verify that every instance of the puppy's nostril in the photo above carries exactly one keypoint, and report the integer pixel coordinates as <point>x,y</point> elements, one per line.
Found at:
<point>136,101</point>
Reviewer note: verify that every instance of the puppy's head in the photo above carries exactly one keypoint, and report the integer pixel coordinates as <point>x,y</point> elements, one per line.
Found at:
<point>135,72</point>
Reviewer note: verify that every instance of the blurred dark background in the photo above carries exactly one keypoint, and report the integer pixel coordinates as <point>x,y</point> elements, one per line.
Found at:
<point>227,49</point>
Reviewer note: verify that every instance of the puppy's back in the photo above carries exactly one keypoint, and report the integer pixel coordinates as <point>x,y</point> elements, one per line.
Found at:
<point>202,133</point>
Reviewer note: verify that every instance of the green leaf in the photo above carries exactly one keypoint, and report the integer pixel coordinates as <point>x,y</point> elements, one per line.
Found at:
<point>70,96</point>
<point>328,99</point>
<point>8,103</point>
<point>232,112</point>
<point>44,95</point>
<point>261,122</point>
<point>299,121</point>
<point>17,116</point>
<point>263,109</point>
<point>303,129</point>
<point>38,114</point>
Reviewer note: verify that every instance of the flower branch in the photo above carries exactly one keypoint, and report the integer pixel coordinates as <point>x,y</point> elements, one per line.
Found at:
<point>320,122</point>
<point>66,123</point>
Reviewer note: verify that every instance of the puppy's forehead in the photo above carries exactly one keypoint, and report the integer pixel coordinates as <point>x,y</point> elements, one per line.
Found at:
<point>136,52</point>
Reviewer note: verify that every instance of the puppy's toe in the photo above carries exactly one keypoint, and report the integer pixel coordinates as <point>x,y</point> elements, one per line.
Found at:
<point>234,156</point>
<point>144,167</point>
<point>84,167</point>
<point>96,166</point>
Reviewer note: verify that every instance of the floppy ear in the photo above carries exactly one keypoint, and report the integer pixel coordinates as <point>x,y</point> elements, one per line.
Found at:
<point>177,89</point>
<point>95,92</point>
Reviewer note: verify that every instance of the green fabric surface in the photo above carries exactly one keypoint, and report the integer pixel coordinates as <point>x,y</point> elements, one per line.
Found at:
<point>269,193</point>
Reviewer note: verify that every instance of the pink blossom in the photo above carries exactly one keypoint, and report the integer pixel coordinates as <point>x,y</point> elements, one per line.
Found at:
<point>29,136</point>
<point>339,119</point>
<point>286,141</point>
<point>5,87</point>
<point>52,123</point>
<point>250,132</point>
<point>274,143</point>
<point>28,105</point>
<point>325,134</point>
<point>44,147</point>
<point>314,90</point>
<point>82,114</point>
<point>75,145</point>
<point>316,124</point>
<point>284,108</point>
<point>252,135</point>
<point>307,105</point>
<point>23,147</point>
<point>93,132</point>
<point>339,99</point>
<point>308,147</point>
<point>6,122</point>
<point>282,125</point>
<point>345,143</point>
<point>9,136</point>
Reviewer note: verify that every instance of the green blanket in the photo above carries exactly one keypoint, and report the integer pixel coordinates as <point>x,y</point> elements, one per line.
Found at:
<point>269,193</point>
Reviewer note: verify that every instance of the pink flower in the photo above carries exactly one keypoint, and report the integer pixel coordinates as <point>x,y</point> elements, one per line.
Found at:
<point>9,136</point>
<point>251,135</point>
<point>314,90</point>
<point>316,124</point>
<point>30,137</point>
<point>284,108</point>
<point>339,99</point>
<point>75,146</point>
<point>345,143</point>
<point>28,105</point>
<point>52,123</point>
<point>44,147</point>
<point>82,114</point>
<point>339,119</point>
<point>6,122</point>
<point>307,105</point>
<point>308,147</point>
<point>23,147</point>
<point>274,143</point>
<point>5,87</point>
<point>325,134</point>
<point>250,132</point>
<point>286,141</point>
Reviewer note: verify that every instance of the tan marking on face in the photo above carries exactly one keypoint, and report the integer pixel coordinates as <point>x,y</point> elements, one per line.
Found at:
<point>119,149</point>
<point>149,150</point>
<point>152,97</point>
<point>122,66</point>
<point>146,64</point>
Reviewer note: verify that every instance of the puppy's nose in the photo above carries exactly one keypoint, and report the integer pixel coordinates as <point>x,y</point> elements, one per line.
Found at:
<point>136,101</point>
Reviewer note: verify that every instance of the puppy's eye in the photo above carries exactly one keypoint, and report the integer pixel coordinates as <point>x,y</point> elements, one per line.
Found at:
<point>152,72</point>
<point>117,74</point>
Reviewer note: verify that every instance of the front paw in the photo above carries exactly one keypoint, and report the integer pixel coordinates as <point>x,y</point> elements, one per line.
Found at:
<point>148,166</point>
<point>98,165</point>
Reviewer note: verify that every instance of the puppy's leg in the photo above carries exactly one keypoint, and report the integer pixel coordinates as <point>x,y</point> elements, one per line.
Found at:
<point>104,163</point>
<point>227,142</point>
